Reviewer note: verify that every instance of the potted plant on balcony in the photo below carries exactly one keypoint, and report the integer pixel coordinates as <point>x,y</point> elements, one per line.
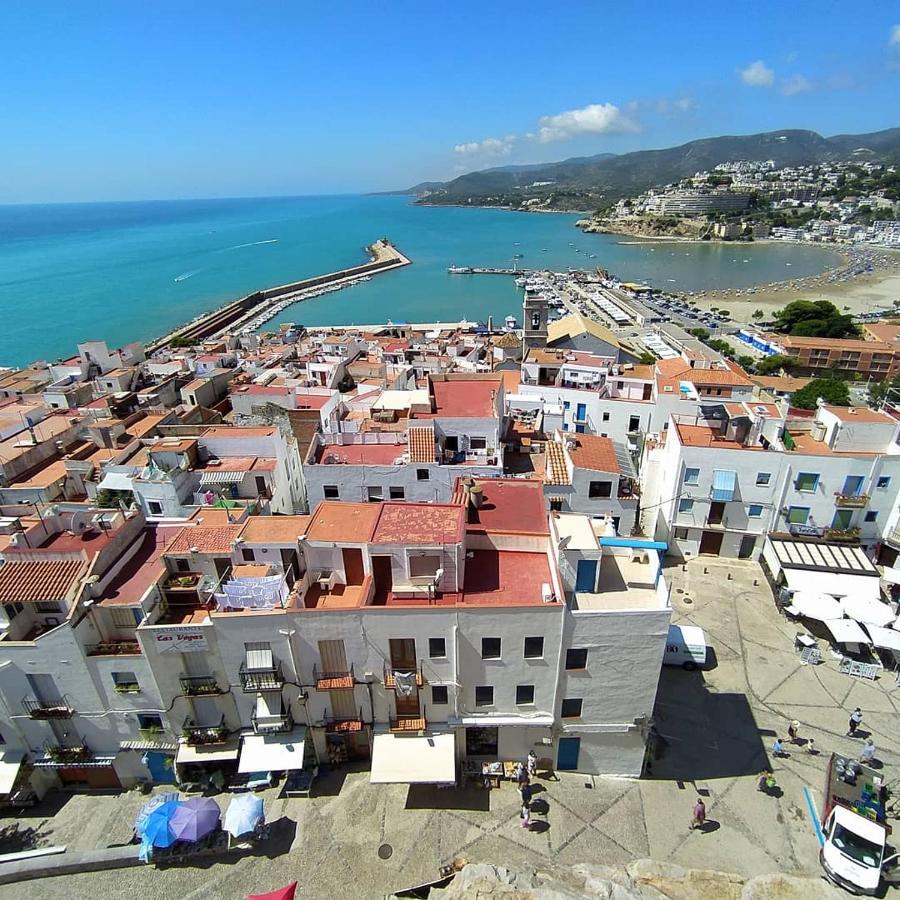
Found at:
<point>68,754</point>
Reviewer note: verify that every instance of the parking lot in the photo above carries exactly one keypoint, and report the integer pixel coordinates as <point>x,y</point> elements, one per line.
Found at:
<point>715,728</point>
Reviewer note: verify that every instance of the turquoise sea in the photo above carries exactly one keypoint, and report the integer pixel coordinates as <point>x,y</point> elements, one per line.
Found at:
<point>127,271</point>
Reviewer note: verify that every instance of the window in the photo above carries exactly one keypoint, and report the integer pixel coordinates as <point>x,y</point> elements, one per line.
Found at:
<point>330,492</point>
<point>478,443</point>
<point>566,404</point>
<point>755,511</point>
<point>883,482</point>
<point>149,722</point>
<point>763,477</point>
<point>437,648</point>
<point>597,489</point>
<point>422,474</point>
<point>490,648</point>
<point>12,609</point>
<point>396,493</point>
<point>681,534</point>
<point>571,708</point>
<point>534,648</point>
<point>634,423</point>
<point>576,658</point>
<point>871,515</point>
<point>606,417</point>
<point>126,683</point>
<point>247,554</point>
<point>691,476</point>
<point>424,565</point>
<point>439,694</point>
<point>807,482</point>
<point>375,494</point>
<point>155,507</point>
<point>484,695</point>
<point>524,694</point>
<point>127,616</point>
<point>182,565</point>
<point>46,606</point>
<point>798,515</point>
<point>685,504</point>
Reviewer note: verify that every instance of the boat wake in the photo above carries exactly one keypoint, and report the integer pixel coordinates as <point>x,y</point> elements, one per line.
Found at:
<point>252,244</point>
<point>185,275</point>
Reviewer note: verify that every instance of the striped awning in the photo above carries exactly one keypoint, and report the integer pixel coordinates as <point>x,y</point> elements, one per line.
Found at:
<point>214,476</point>
<point>724,481</point>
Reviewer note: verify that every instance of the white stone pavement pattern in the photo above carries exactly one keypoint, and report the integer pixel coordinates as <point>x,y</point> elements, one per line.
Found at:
<point>716,728</point>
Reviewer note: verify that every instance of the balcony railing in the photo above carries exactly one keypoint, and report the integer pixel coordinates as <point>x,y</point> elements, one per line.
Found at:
<point>253,680</point>
<point>198,685</point>
<point>278,724</point>
<point>71,754</point>
<point>409,723</point>
<point>851,501</point>
<point>391,683</point>
<point>114,648</point>
<point>201,735</point>
<point>844,535</point>
<point>333,681</point>
<point>49,709</point>
<point>344,724</point>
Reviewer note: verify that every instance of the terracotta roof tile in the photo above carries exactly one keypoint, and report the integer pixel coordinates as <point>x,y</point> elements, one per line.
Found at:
<point>594,452</point>
<point>32,580</point>
<point>207,539</point>
<point>419,523</point>
<point>556,471</point>
<point>421,443</point>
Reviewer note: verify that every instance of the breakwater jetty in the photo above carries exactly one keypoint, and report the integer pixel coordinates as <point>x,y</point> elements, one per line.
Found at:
<point>247,313</point>
<point>484,270</point>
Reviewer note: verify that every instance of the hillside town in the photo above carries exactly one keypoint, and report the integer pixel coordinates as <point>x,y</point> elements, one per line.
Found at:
<point>427,553</point>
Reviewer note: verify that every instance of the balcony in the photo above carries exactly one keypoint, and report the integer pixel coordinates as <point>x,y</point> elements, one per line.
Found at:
<point>114,648</point>
<point>842,535</point>
<point>408,724</point>
<point>343,724</point>
<point>261,679</point>
<point>271,724</point>
<point>199,685</point>
<point>67,754</point>
<point>49,709</point>
<point>204,735</point>
<point>851,501</point>
<point>391,683</point>
<point>333,681</point>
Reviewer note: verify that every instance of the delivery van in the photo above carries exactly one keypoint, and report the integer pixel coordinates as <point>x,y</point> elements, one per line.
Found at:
<point>685,647</point>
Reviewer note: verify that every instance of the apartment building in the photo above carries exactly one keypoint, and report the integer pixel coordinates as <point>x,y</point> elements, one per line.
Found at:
<point>875,359</point>
<point>718,482</point>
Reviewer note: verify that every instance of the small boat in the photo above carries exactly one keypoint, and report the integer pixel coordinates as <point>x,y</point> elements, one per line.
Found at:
<point>543,249</point>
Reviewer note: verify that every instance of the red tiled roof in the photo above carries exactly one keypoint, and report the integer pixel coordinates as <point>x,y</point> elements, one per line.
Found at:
<point>207,539</point>
<point>556,471</point>
<point>419,523</point>
<point>594,452</point>
<point>421,444</point>
<point>32,580</point>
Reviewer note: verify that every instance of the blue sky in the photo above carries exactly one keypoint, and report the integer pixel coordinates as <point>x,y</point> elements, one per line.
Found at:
<point>133,100</point>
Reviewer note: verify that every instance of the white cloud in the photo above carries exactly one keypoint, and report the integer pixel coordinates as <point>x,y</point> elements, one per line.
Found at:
<point>758,74</point>
<point>488,147</point>
<point>596,118</point>
<point>895,36</point>
<point>796,84</point>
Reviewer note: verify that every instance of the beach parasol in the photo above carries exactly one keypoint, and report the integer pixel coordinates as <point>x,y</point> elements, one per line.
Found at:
<point>244,813</point>
<point>285,893</point>
<point>195,818</point>
<point>158,828</point>
<point>153,803</point>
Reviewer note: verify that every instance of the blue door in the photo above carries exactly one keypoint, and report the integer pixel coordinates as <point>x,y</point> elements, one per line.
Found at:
<point>567,754</point>
<point>586,578</point>
<point>581,412</point>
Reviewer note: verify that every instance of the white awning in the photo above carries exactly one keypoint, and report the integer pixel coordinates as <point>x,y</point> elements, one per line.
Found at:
<point>886,638</point>
<point>207,752</point>
<point>816,606</point>
<point>215,476</point>
<point>504,721</point>
<point>272,752</point>
<point>10,762</point>
<point>846,631</point>
<point>833,583</point>
<point>867,610</point>
<point>116,481</point>
<point>402,759</point>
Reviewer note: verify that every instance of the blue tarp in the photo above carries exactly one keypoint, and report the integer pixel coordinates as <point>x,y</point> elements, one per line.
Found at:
<point>639,543</point>
<point>723,484</point>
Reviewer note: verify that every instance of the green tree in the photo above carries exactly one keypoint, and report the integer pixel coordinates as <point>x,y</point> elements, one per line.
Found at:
<point>745,362</point>
<point>832,390</point>
<point>699,333</point>
<point>814,318</point>
<point>773,364</point>
<point>758,314</point>
<point>647,359</point>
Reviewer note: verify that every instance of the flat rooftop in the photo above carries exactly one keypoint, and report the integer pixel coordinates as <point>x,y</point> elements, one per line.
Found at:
<point>515,506</point>
<point>505,578</point>
<point>343,522</point>
<point>359,454</point>
<point>420,523</point>
<point>704,436</point>
<point>465,399</point>
<point>624,584</point>
<point>142,570</point>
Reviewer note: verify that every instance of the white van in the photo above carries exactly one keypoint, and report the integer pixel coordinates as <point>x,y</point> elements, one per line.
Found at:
<point>685,647</point>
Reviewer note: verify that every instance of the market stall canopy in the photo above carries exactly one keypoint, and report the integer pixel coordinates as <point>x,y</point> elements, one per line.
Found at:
<point>886,638</point>
<point>816,606</point>
<point>272,752</point>
<point>833,583</point>
<point>846,631</point>
<point>867,610</point>
<point>203,753</point>
<point>402,759</point>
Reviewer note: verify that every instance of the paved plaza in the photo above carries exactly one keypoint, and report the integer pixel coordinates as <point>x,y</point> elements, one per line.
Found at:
<point>715,728</point>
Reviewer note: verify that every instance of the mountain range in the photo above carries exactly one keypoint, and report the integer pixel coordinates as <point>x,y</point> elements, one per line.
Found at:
<point>607,177</point>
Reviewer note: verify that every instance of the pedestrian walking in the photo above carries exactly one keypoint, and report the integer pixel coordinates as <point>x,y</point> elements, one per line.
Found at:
<point>855,721</point>
<point>793,730</point>
<point>867,754</point>
<point>525,815</point>
<point>521,774</point>
<point>699,814</point>
<point>778,748</point>
<point>532,763</point>
<point>527,792</point>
